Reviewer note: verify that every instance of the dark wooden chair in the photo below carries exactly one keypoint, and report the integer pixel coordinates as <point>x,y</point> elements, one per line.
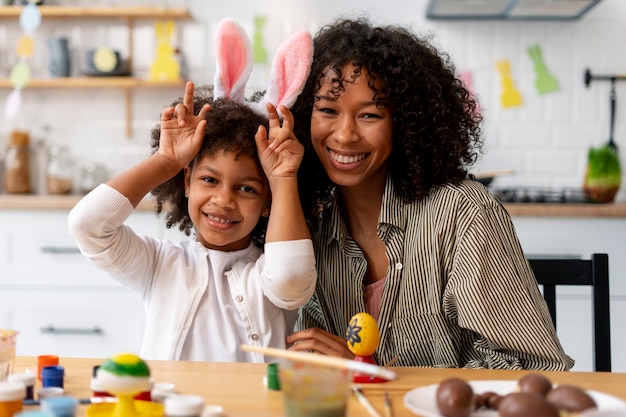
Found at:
<point>593,272</point>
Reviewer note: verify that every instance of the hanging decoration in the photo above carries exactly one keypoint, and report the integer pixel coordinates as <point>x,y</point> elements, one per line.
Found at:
<point>258,49</point>
<point>467,78</point>
<point>165,66</point>
<point>30,20</point>
<point>510,97</point>
<point>545,82</point>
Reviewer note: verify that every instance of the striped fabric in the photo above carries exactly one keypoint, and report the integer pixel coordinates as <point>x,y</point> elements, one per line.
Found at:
<point>458,293</point>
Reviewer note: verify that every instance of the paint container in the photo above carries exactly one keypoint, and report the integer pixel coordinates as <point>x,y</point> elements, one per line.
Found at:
<point>49,392</point>
<point>28,380</point>
<point>34,413</point>
<point>162,390</point>
<point>272,381</point>
<point>11,397</point>
<point>52,376</point>
<point>60,406</point>
<point>45,360</point>
<point>183,405</point>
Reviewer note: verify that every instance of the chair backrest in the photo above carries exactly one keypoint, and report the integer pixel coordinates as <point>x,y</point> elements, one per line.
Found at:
<point>594,272</point>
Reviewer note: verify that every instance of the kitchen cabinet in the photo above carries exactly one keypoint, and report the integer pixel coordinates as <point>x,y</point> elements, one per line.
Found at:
<point>57,300</point>
<point>102,14</point>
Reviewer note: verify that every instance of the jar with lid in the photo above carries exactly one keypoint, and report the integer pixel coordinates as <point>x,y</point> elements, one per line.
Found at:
<point>59,171</point>
<point>17,164</point>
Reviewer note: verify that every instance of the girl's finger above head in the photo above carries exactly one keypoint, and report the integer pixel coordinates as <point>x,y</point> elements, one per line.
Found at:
<point>167,114</point>
<point>287,115</point>
<point>188,97</point>
<point>204,111</point>
<point>180,111</point>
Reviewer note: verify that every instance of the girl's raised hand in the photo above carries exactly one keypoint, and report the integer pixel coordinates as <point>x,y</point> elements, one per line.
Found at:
<point>182,132</point>
<point>280,152</point>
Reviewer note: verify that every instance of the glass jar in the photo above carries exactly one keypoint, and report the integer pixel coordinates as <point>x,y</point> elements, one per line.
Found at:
<point>59,171</point>
<point>92,175</point>
<point>17,164</point>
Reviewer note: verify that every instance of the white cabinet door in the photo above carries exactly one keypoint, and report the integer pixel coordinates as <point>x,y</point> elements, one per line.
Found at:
<point>57,300</point>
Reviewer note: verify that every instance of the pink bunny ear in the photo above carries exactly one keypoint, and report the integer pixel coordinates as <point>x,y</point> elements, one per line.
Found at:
<point>234,61</point>
<point>290,70</point>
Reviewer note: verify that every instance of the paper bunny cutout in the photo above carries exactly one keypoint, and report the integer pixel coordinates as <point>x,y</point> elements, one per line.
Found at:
<point>545,81</point>
<point>165,66</point>
<point>290,67</point>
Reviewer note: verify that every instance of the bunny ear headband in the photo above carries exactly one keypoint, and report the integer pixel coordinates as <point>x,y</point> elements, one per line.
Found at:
<point>288,75</point>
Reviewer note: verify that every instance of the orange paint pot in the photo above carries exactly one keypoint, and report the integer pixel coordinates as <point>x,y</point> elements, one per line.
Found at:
<point>11,396</point>
<point>45,360</point>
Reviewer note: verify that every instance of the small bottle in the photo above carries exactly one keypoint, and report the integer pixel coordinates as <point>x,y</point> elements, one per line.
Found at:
<point>17,164</point>
<point>59,171</point>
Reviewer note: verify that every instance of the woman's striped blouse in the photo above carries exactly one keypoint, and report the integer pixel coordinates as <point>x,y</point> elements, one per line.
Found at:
<point>459,291</point>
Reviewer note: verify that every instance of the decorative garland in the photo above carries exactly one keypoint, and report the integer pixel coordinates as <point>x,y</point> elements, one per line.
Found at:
<point>30,20</point>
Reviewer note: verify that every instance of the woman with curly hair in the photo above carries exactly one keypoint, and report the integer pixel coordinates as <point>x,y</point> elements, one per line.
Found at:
<point>401,230</point>
<point>219,173</point>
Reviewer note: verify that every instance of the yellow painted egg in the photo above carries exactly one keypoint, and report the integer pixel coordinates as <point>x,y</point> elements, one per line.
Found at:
<point>362,334</point>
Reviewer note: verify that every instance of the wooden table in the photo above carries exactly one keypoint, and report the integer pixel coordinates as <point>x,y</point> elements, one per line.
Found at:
<point>239,388</point>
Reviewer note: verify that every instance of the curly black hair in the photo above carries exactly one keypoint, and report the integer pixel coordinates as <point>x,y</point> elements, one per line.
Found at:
<point>230,127</point>
<point>436,129</point>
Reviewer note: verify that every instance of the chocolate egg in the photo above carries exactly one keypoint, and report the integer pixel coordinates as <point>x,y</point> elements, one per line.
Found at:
<point>455,398</point>
<point>570,398</point>
<point>524,404</point>
<point>534,384</point>
<point>482,399</point>
<point>494,401</point>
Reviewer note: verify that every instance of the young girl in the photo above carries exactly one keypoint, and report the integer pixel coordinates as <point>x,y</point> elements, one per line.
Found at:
<point>221,172</point>
<point>401,233</point>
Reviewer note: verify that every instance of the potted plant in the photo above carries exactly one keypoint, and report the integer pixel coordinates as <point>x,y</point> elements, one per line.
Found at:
<point>603,176</point>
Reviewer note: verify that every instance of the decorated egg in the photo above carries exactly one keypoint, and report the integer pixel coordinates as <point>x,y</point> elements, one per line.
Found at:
<point>124,374</point>
<point>362,334</point>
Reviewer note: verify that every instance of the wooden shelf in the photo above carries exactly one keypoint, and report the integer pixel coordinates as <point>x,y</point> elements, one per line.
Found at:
<point>129,15</point>
<point>148,12</point>
<point>95,82</point>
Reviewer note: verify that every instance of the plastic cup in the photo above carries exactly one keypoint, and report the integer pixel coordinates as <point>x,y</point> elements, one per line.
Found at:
<point>7,352</point>
<point>313,390</point>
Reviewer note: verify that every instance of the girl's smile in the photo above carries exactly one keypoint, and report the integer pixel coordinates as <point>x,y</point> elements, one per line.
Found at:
<point>227,195</point>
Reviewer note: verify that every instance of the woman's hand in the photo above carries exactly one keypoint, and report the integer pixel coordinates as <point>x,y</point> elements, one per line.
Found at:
<point>320,341</point>
<point>280,152</point>
<point>182,132</point>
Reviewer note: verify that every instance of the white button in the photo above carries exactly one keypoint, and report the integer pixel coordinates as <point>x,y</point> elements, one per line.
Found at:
<point>239,298</point>
<point>398,266</point>
<point>389,326</point>
<point>254,337</point>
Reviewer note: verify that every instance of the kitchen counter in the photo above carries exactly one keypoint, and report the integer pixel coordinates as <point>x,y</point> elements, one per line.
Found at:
<point>66,202</point>
<point>53,202</point>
